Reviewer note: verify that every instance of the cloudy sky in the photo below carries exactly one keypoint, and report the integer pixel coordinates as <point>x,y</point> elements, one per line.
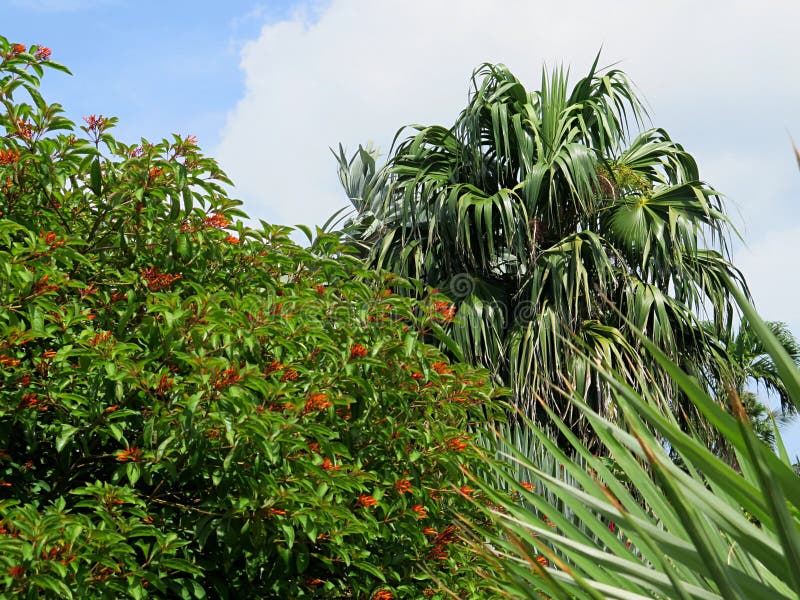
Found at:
<point>269,87</point>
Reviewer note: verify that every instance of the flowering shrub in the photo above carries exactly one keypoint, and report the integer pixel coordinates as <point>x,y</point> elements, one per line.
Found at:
<point>192,408</point>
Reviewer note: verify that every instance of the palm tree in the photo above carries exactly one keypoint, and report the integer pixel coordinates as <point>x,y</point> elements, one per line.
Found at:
<point>746,361</point>
<point>557,229</point>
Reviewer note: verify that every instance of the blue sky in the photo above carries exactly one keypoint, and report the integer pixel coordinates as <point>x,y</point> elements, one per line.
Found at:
<point>161,66</point>
<point>268,87</point>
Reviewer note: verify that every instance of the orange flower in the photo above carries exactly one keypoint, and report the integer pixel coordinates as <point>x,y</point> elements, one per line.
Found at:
<point>29,400</point>
<point>317,402</point>
<point>9,157</point>
<point>383,595</point>
<point>157,280</point>
<point>130,454</point>
<point>416,375</point>
<point>154,172</point>
<point>430,531</point>
<point>43,53</point>
<point>541,560</point>
<point>274,366</point>
<point>466,490</point>
<point>527,485</point>
<point>357,351</point>
<point>18,571</point>
<point>328,465</point>
<point>18,49</point>
<point>217,221</point>
<point>441,368</point>
<point>447,310</point>
<point>8,361</point>
<point>456,444</point>
<point>366,500</point>
<point>232,239</point>
<point>402,486</point>
<point>277,511</point>
<point>290,375</point>
<point>313,446</point>
<point>421,511</point>
<point>227,378</point>
<point>96,123</point>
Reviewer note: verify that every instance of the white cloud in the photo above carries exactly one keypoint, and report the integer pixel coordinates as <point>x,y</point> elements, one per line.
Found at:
<point>714,73</point>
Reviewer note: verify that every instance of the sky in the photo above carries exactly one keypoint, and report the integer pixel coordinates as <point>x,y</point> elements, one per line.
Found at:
<point>269,87</point>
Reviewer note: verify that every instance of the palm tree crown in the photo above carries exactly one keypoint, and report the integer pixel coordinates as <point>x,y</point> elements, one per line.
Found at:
<point>556,228</point>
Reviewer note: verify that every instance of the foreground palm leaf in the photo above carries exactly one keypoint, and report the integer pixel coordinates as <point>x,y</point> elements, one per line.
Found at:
<point>654,523</point>
<point>533,211</point>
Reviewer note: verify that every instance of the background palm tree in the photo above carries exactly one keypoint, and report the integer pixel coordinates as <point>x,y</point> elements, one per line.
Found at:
<point>746,362</point>
<point>557,230</point>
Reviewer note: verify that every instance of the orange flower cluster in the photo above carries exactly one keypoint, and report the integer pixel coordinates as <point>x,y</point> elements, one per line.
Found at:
<point>51,239</point>
<point>24,129</point>
<point>457,444</point>
<point>9,157</point>
<point>447,310</point>
<point>466,491</point>
<point>49,354</point>
<point>383,595</point>
<point>18,571</point>
<point>402,486</point>
<point>157,280</point>
<point>422,512</point>
<point>154,173</point>
<point>29,400</point>
<point>541,560</point>
<point>328,465</point>
<point>43,53</point>
<point>357,351</point>
<point>217,221</point>
<point>100,338</point>
<point>317,401</point>
<point>96,123</point>
<point>18,49</point>
<point>274,366</point>
<point>289,375</point>
<point>366,500</point>
<point>8,361</point>
<point>164,385</point>
<point>440,543</point>
<point>232,239</point>
<point>130,454</point>
<point>227,378</point>
<point>441,368</point>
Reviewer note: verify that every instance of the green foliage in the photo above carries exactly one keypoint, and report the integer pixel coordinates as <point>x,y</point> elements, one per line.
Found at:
<point>644,522</point>
<point>191,408</point>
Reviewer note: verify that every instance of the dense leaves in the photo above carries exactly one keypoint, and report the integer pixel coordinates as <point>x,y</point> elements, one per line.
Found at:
<point>192,408</point>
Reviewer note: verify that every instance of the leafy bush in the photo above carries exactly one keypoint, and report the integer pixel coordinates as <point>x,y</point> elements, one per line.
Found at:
<point>190,408</point>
